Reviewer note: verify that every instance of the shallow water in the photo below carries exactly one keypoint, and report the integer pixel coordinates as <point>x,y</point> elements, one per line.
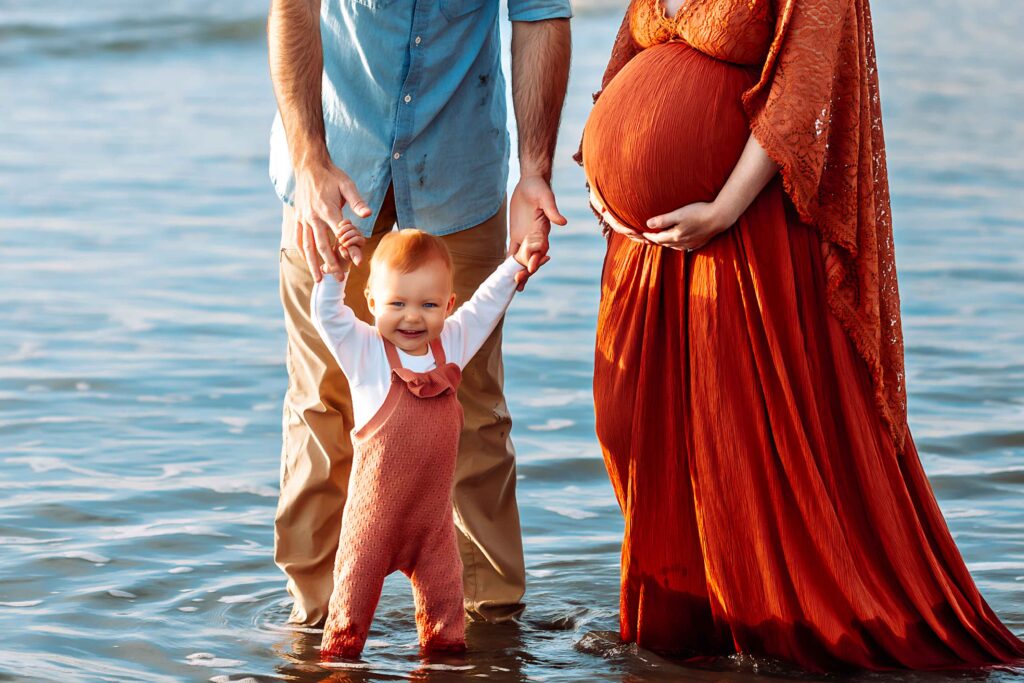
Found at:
<point>141,351</point>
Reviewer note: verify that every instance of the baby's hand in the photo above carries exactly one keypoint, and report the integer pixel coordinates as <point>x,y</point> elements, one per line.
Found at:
<point>349,247</point>
<point>533,251</point>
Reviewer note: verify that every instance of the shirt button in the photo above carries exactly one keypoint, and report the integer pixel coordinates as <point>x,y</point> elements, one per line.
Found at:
<point>418,40</point>
<point>408,99</point>
<point>396,155</point>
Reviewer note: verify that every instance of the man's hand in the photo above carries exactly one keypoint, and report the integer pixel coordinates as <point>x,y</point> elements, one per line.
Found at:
<point>532,210</point>
<point>320,192</point>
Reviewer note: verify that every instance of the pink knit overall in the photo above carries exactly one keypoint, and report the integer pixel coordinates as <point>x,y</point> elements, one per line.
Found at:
<point>398,515</point>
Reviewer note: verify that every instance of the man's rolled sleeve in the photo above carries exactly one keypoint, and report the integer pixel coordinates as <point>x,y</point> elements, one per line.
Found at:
<point>538,10</point>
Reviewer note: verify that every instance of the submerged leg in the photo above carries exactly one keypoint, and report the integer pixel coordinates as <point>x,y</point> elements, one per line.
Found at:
<point>358,582</point>
<point>437,592</point>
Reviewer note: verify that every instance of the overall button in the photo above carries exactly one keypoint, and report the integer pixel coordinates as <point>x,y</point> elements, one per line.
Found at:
<point>418,40</point>
<point>396,155</point>
<point>408,99</point>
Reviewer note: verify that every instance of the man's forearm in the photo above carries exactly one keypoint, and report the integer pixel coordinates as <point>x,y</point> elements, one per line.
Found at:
<point>540,74</point>
<point>296,70</point>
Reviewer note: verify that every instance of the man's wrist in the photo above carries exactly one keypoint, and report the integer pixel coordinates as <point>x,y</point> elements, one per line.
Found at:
<point>535,169</point>
<point>312,158</point>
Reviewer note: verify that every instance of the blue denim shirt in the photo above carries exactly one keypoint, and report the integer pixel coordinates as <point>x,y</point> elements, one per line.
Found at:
<point>414,95</point>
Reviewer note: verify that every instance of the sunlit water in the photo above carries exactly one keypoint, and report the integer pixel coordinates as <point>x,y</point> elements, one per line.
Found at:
<point>142,348</point>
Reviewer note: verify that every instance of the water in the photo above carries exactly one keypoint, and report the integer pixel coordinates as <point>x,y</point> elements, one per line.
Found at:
<point>142,348</point>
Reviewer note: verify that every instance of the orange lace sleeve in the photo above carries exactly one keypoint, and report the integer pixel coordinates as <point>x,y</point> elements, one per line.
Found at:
<point>623,49</point>
<point>816,111</point>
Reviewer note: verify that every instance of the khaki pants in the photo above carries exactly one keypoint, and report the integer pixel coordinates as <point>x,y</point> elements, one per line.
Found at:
<point>316,456</point>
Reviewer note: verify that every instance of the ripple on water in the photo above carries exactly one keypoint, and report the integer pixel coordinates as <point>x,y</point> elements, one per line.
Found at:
<point>21,604</point>
<point>211,660</point>
<point>88,556</point>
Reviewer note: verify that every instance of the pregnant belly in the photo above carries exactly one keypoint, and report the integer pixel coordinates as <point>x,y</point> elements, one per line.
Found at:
<point>666,132</point>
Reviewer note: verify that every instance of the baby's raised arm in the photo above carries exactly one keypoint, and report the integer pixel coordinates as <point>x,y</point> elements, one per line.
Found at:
<point>466,330</point>
<point>350,340</point>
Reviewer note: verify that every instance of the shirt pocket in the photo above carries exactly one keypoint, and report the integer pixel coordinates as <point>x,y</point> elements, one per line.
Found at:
<point>453,9</point>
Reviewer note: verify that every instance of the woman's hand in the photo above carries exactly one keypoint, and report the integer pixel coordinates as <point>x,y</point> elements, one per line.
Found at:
<point>688,228</point>
<point>692,226</point>
<point>610,221</point>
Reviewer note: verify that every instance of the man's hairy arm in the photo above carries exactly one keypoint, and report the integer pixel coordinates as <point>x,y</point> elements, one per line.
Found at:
<point>540,73</point>
<point>296,69</point>
<point>321,189</point>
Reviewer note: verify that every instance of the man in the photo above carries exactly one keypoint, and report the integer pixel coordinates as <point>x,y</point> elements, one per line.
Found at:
<point>393,112</point>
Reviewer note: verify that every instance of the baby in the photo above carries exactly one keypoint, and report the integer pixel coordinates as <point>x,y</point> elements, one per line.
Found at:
<point>404,372</point>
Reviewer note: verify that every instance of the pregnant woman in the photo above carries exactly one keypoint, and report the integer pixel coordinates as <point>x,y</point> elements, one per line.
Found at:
<point>749,384</point>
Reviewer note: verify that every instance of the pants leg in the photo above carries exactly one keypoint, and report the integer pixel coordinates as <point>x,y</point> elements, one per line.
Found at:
<point>316,454</point>
<point>489,536</point>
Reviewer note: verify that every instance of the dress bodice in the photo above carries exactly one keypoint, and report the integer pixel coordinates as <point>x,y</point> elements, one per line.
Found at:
<point>737,31</point>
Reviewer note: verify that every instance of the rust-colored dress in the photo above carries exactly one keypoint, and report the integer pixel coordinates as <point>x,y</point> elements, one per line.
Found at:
<point>749,395</point>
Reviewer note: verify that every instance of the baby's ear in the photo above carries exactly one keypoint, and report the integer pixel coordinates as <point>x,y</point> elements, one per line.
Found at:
<point>451,305</point>
<point>369,300</point>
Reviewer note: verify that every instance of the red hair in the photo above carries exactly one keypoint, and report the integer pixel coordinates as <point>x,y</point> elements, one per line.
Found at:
<point>408,250</point>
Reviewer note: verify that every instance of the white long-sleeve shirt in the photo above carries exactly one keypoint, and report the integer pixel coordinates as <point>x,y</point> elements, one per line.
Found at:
<point>359,348</point>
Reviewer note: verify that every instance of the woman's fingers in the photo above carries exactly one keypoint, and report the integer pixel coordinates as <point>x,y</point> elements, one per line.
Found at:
<point>618,227</point>
<point>665,220</point>
<point>627,232</point>
<point>671,238</point>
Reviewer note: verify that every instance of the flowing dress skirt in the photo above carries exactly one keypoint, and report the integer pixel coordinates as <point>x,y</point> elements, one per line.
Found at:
<point>767,510</point>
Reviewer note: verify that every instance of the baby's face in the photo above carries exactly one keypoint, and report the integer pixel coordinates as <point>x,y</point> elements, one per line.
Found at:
<point>410,308</point>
